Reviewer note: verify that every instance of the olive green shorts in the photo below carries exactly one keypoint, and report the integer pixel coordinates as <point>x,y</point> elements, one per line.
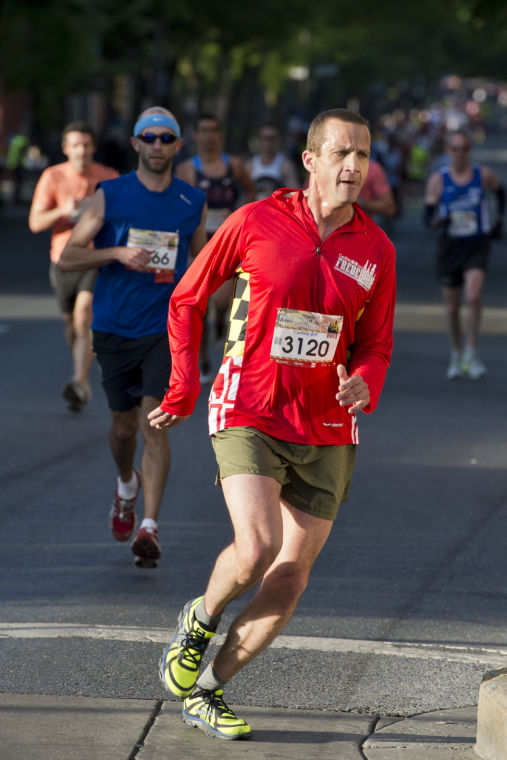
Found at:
<point>315,479</point>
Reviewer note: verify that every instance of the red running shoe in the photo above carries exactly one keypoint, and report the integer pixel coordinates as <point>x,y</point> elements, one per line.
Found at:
<point>146,548</point>
<point>122,517</point>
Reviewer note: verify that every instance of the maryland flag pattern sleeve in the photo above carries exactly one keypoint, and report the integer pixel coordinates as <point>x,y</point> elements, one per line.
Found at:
<point>215,264</point>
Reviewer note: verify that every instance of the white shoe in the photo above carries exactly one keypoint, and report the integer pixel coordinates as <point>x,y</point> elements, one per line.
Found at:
<point>454,370</point>
<point>473,366</point>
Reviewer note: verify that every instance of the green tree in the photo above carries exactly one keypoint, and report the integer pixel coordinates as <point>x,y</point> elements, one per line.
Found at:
<point>221,55</point>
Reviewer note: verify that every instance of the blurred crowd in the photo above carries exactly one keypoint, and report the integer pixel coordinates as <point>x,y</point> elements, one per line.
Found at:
<point>408,144</point>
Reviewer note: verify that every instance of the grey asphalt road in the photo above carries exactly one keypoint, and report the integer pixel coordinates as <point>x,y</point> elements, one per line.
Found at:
<point>407,603</point>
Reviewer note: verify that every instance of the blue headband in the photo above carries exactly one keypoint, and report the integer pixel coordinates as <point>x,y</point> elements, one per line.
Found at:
<point>157,120</point>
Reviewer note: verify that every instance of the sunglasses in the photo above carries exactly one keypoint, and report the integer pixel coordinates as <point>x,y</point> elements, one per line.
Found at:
<point>166,138</point>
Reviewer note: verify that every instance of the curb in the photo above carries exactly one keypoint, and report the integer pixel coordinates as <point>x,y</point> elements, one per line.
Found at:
<point>441,735</point>
<point>492,716</point>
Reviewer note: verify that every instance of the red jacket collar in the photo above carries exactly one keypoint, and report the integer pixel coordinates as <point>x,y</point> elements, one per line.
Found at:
<point>295,201</point>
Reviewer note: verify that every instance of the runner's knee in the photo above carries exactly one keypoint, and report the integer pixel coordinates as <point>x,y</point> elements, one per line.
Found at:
<point>82,320</point>
<point>474,298</point>
<point>254,558</point>
<point>288,581</point>
<point>124,426</point>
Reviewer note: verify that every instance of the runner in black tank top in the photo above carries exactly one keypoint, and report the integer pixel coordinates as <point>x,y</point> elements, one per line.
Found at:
<point>225,180</point>
<point>222,193</point>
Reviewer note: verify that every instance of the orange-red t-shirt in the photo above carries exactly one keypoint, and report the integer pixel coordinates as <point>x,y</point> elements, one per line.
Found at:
<point>59,183</point>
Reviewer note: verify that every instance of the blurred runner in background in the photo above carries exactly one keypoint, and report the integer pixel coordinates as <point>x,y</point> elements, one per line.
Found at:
<point>270,168</point>
<point>456,202</point>
<point>227,184</point>
<point>61,195</point>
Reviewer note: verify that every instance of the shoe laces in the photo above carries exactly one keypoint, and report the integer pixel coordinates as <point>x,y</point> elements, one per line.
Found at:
<point>214,701</point>
<point>194,641</point>
<point>123,507</point>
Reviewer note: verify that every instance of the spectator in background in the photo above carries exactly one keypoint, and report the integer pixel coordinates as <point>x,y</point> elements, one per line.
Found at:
<point>418,161</point>
<point>391,157</point>
<point>16,154</point>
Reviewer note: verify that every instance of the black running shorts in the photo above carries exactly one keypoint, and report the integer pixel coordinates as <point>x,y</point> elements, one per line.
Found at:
<point>456,255</point>
<point>132,368</point>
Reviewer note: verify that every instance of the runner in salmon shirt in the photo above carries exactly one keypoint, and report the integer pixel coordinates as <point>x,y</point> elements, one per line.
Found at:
<point>309,343</point>
<point>61,195</point>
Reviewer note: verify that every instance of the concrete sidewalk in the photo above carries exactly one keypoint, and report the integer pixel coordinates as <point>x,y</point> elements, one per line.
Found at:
<point>46,727</point>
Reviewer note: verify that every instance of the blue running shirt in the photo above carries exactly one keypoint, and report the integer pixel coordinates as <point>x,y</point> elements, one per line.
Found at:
<point>129,303</point>
<point>465,206</point>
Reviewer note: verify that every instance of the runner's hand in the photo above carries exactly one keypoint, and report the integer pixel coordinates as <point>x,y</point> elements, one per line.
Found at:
<point>134,258</point>
<point>70,208</point>
<point>160,419</point>
<point>353,391</point>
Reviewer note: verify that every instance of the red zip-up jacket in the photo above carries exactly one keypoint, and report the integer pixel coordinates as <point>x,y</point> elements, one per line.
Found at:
<point>273,249</point>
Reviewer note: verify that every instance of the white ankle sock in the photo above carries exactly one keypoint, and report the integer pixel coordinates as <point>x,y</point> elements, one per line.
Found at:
<point>149,524</point>
<point>127,490</point>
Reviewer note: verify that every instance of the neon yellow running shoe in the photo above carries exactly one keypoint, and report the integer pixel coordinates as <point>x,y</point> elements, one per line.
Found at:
<point>181,661</point>
<point>207,710</point>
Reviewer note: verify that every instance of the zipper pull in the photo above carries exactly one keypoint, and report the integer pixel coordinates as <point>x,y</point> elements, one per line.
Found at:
<point>317,250</point>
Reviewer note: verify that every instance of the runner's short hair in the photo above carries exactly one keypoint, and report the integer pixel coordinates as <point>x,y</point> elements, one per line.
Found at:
<point>207,117</point>
<point>269,125</point>
<point>315,136</point>
<point>458,133</point>
<point>78,126</point>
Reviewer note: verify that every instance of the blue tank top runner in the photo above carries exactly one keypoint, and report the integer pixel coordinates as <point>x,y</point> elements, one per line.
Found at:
<point>465,206</point>
<point>134,304</point>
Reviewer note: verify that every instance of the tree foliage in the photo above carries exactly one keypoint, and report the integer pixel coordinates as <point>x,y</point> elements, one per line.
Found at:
<point>220,53</point>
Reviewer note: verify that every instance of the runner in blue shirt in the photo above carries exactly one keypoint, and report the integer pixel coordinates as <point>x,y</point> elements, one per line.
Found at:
<point>145,226</point>
<point>458,192</point>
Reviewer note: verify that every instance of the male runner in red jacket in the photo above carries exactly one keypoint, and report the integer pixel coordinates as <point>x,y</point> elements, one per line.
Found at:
<point>309,343</point>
